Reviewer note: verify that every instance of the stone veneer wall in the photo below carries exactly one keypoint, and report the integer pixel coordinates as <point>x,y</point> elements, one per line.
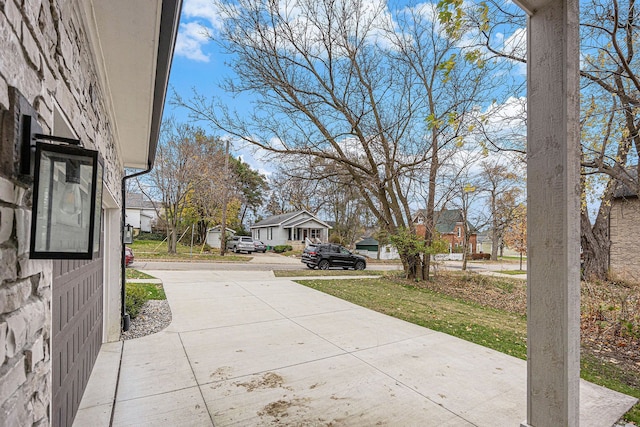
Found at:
<point>625,239</point>
<point>46,57</point>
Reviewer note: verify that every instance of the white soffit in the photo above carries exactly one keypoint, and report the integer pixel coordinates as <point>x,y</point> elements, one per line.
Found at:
<point>127,33</point>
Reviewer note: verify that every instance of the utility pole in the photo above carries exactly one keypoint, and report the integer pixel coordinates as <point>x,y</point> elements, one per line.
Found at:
<point>225,197</point>
<point>468,188</point>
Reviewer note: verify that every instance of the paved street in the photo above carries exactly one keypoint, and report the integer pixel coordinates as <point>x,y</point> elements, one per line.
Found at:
<point>260,262</point>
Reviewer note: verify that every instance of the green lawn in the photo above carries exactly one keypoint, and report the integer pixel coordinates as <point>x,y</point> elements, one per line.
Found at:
<point>512,272</point>
<point>139,293</point>
<point>497,329</point>
<point>157,250</point>
<point>312,273</point>
<point>132,273</point>
<point>500,330</point>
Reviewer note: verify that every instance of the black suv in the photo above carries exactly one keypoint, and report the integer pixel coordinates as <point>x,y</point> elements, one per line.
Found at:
<point>327,255</point>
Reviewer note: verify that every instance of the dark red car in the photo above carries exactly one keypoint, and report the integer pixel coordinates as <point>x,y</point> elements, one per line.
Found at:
<point>128,256</point>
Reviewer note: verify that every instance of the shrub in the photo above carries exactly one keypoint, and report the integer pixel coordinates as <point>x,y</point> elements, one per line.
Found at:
<point>134,300</point>
<point>282,248</point>
<point>151,236</point>
<point>480,256</point>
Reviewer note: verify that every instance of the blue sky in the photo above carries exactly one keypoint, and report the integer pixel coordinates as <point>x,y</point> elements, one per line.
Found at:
<point>199,65</point>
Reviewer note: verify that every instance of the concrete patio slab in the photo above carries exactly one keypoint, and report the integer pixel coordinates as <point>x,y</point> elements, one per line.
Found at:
<point>102,388</point>
<point>251,349</point>
<point>196,314</point>
<point>183,407</point>
<point>235,351</point>
<point>359,328</point>
<point>347,392</point>
<point>295,304</point>
<point>153,365</point>
<point>99,395</point>
<point>460,376</point>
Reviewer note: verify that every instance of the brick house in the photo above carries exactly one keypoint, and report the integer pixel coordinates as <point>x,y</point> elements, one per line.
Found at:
<point>624,229</point>
<point>94,71</point>
<point>449,226</point>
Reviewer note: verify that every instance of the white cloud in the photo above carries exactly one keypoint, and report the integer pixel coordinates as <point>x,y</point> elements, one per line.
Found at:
<point>516,43</point>
<point>258,159</point>
<point>192,36</point>
<point>506,123</point>
<point>204,9</point>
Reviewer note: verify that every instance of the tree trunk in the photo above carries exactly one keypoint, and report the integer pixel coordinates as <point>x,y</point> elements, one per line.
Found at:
<point>494,235</point>
<point>595,246</point>
<point>429,221</point>
<point>225,199</point>
<point>201,233</point>
<point>172,240</point>
<point>411,264</point>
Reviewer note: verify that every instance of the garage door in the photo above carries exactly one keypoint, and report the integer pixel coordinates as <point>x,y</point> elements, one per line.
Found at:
<point>76,332</point>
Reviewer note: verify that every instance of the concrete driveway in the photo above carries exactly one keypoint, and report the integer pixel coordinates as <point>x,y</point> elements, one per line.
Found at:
<point>248,349</point>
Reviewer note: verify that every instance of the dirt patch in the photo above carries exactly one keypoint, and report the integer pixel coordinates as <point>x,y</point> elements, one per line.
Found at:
<point>222,373</point>
<point>501,293</point>
<point>284,408</point>
<point>610,323</point>
<point>268,380</point>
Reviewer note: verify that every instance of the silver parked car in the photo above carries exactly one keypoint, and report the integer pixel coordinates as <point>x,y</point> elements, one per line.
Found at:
<point>260,247</point>
<point>242,244</point>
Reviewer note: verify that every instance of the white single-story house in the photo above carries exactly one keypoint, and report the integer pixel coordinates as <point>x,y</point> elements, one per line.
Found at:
<point>214,234</point>
<point>369,247</point>
<point>293,228</point>
<point>485,245</point>
<point>139,213</point>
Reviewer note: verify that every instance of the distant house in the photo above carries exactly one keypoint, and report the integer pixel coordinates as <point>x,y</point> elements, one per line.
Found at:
<point>214,234</point>
<point>624,229</point>
<point>139,213</point>
<point>449,225</point>
<point>293,228</point>
<point>370,247</point>
<point>485,244</point>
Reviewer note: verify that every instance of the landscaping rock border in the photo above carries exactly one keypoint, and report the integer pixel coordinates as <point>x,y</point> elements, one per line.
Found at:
<point>154,316</point>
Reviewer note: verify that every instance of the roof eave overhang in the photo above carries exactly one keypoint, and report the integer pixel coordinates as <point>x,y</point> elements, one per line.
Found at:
<point>133,42</point>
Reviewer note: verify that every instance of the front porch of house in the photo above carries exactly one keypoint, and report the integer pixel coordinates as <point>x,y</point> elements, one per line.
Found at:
<point>303,235</point>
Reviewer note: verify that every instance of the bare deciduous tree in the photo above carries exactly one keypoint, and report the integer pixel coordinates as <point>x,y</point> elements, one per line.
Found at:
<point>182,165</point>
<point>610,94</point>
<point>503,188</point>
<point>381,100</point>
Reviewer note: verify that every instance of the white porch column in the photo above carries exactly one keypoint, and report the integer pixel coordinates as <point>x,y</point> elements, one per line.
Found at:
<point>553,193</point>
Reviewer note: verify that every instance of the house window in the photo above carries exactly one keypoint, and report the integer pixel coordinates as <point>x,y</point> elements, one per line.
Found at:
<point>459,232</point>
<point>315,233</point>
<point>257,234</point>
<point>270,233</point>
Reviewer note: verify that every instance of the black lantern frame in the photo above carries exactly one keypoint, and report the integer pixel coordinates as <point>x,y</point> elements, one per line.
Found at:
<point>67,202</point>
